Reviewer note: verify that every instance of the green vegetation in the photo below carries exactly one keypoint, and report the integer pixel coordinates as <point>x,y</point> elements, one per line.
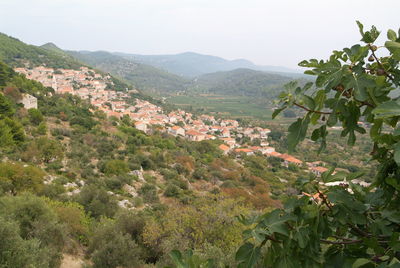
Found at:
<point>224,106</point>
<point>109,188</point>
<point>16,53</point>
<point>241,82</point>
<point>345,225</point>
<point>75,182</point>
<point>191,64</point>
<point>143,77</point>
<point>238,93</point>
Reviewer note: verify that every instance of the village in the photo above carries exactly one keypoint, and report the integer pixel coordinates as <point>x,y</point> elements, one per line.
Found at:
<point>97,89</point>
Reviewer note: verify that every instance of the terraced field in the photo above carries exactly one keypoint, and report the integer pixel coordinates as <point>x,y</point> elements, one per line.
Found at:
<point>229,106</point>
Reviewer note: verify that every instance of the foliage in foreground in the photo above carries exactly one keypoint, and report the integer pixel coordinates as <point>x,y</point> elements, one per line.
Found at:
<point>345,225</point>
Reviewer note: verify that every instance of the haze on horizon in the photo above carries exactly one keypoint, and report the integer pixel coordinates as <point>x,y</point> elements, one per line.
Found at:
<point>280,33</point>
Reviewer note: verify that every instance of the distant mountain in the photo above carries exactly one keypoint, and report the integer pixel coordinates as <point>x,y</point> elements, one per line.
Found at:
<point>53,47</point>
<point>142,76</point>
<point>16,53</point>
<point>191,64</point>
<point>240,82</point>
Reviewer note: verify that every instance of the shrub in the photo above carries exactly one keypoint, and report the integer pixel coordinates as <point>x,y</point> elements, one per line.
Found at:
<point>116,167</point>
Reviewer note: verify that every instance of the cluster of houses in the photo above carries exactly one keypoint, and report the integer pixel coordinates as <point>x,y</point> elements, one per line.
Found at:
<point>85,82</point>
<point>88,84</point>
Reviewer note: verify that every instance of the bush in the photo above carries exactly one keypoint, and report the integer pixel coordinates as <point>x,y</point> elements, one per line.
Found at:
<point>35,116</point>
<point>97,202</point>
<point>116,167</point>
<point>149,193</point>
<point>16,178</point>
<point>38,224</point>
<point>172,191</point>
<point>110,248</point>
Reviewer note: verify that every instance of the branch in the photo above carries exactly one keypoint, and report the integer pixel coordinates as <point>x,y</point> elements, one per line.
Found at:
<point>309,110</point>
<point>324,200</point>
<point>343,242</point>
<point>381,65</point>
<point>364,103</point>
<point>269,237</point>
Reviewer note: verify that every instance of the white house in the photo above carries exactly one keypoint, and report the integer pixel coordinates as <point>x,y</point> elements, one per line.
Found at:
<point>177,130</point>
<point>29,101</point>
<point>141,126</point>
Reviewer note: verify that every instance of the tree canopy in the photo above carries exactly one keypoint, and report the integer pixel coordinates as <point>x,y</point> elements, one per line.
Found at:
<point>346,225</point>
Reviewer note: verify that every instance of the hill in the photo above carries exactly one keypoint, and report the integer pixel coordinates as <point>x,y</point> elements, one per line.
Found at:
<point>142,76</point>
<point>17,54</point>
<point>191,64</point>
<point>241,82</point>
<point>52,47</point>
<point>66,170</point>
<point>73,180</point>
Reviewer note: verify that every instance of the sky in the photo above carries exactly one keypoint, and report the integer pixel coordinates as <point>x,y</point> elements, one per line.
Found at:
<point>280,33</point>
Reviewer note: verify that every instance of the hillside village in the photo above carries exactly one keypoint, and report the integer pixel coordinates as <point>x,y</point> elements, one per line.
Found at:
<point>95,87</point>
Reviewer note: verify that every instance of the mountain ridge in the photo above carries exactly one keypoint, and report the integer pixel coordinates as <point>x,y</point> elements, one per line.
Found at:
<point>192,64</point>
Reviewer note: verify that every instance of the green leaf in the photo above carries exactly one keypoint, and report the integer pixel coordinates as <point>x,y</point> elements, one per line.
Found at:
<point>315,134</point>
<point>332,119</point>
<point>392,46</point>
<point>314,118</point>
<point>394,263</point>
<point>176,256</point>
<point>309,102</point>
<point>325,176</point>
<point>371,35</point>
<point>391,35</point>
<point>376,128</point>
<point>360,27</point>
<point>297,132</point>
<point>387,109</point>
<point>309,72</point>
<point>247,255</point>
<point>360,84</point>
<point>397,153</point>
<point>360,262</point>
<point>278,111</point>
<point>275,223</point>
<point>320,99</point>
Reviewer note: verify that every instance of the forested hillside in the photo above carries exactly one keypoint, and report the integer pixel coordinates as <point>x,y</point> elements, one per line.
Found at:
<point>95,185</point>
<point>241,82</point>
<point>17,53</point>
<point>142,76</point>
<point>190,64</point>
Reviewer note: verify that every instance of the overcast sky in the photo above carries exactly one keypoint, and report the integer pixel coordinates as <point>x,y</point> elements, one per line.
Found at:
<point>281,32</point>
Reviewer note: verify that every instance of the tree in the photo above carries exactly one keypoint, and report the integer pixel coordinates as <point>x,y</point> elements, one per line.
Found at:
<point>16,130</point>
<point>116,167</point>
<point>97,202</point>
<point>37,225</point>
<point>35,116</point>
<point>6,136</point>
<point>15,178</point>
<point>209,221</point>
<point>110,247</point>
<point>149,193</point>
<point>345,225</point>
<point>44,150</point>
<point>17,252</point>
<point>6,108</point>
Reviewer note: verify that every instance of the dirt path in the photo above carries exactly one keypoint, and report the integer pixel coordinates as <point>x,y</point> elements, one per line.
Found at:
<point>70,261</point>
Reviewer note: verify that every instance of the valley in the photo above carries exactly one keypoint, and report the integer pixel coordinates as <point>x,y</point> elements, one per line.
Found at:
<point>111,159</point>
